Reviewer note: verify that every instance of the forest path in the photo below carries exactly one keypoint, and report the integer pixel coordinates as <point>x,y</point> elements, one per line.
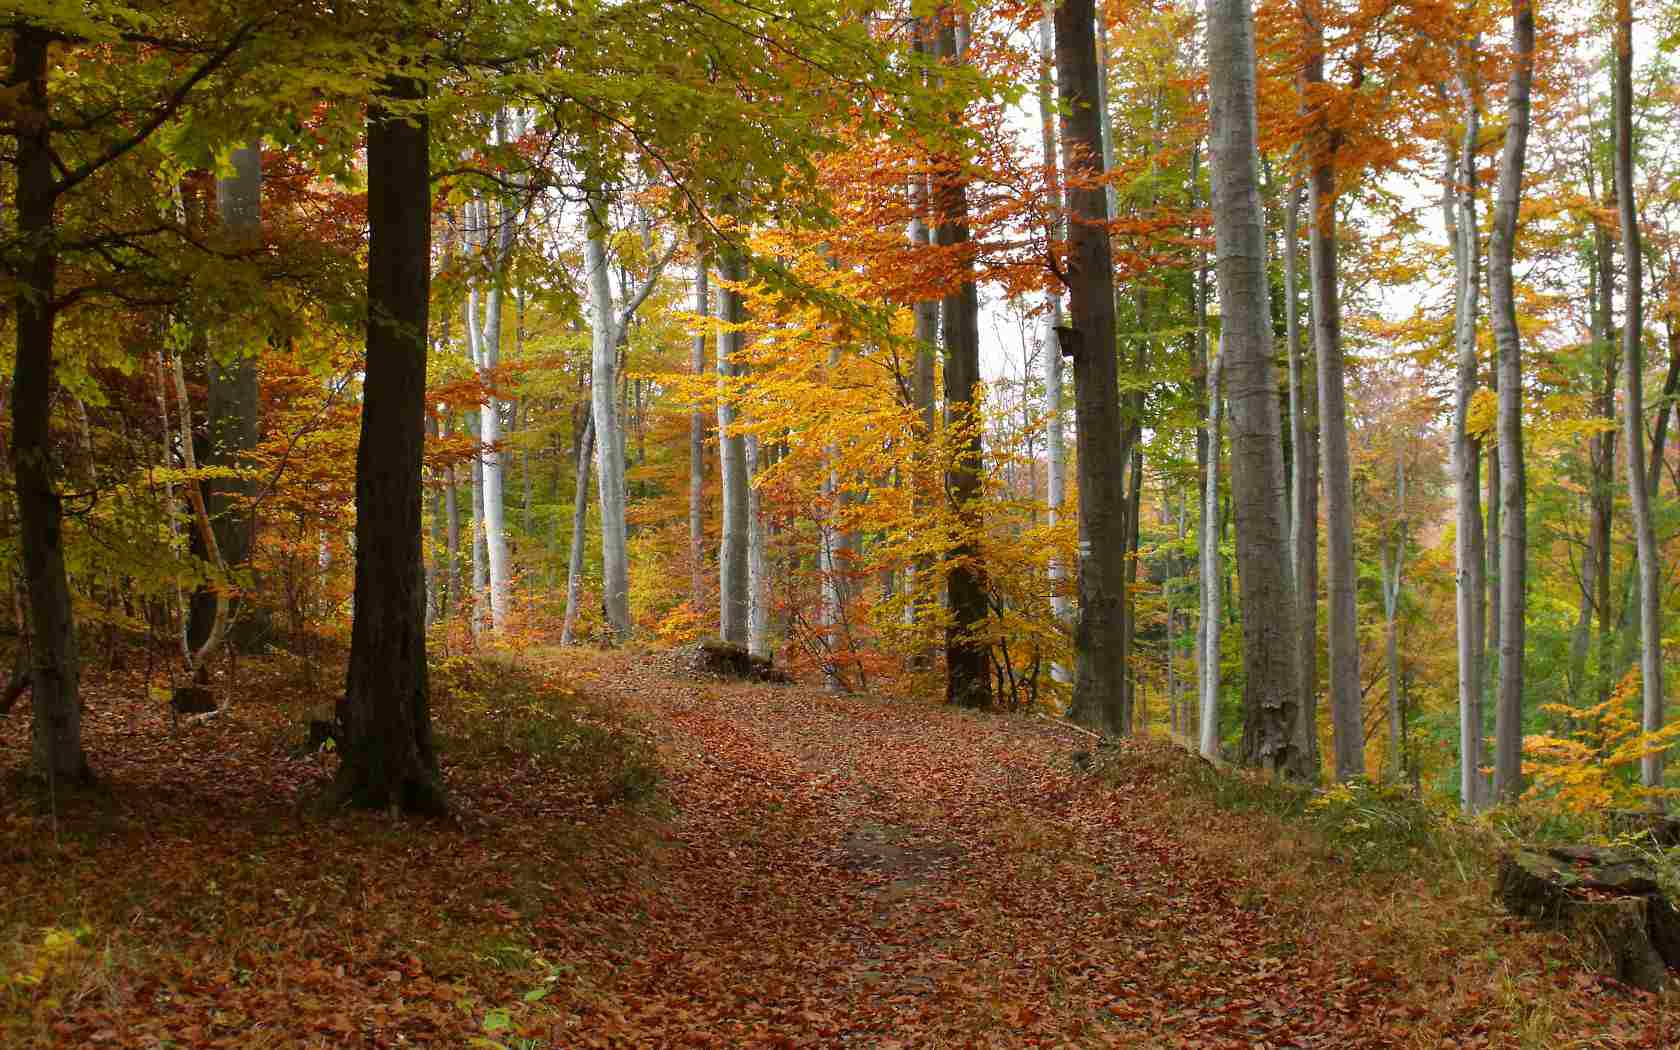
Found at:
<point>849,871</point>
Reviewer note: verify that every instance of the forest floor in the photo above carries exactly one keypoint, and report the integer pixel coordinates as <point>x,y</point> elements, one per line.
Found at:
<point>642,859</point>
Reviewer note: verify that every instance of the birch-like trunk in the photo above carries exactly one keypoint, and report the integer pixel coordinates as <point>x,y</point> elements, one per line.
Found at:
<point>1513,540</point>
<point>609,430</point>
<point>1633,375</point>
<point>1270,700</point>
<point>1213,612</point>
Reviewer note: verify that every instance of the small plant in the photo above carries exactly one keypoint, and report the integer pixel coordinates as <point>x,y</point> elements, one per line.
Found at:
<point>1375,826</point>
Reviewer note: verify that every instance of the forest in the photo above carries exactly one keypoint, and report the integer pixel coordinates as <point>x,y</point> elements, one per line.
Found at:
<point>495,489</point>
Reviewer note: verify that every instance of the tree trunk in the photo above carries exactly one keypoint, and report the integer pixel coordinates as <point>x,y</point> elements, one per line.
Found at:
<point>758,561</point>
<point>1099,432</point>
<point>1633,369</point>
<point>1270,689</point>
<point>234,405</point>
<point>1393,572</point>
<point>452,515</point>
<point>1303,519</point>
<point>56,741</point>
<point>1055,439</point>
<point>1471,590</point>
<point>697,450</point>
<point>732,460</point>
<point>609,428</point>
<point>1601,450</point>
<point>489,341</point>
<point>580,526</point>
<point>1213,614</point>
<point>967,659</point>
<point>1342,613</point>
<point>1507,762</point>
<point>387,754</point>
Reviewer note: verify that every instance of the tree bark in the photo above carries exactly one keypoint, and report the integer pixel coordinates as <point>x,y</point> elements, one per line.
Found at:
<point>234,409</point>
<point>1270,690</point>
<point>967,657</point>
<point>56,737</point>
<point>1633,369</point>
<point>609,428</point>
<point>733,600</point>
<point>580,527</point>
<point>1055,439</point>
<point>1303,519</point>
<point>1342,614</point>
<point>697,449</point>
<point>1213,613</point>
<point>1099,432</point>
<point>387,754</point>
<point>1507,762</point>
<point>1471,589</point>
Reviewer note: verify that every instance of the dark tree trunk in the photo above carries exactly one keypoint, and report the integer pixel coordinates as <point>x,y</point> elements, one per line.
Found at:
<point>388,759</point>
<point>1099,679</point>
<point>967,659</point>
<point>57,736</point>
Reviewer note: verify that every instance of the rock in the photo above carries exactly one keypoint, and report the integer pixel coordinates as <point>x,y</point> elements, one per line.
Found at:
<point>1612,894</point>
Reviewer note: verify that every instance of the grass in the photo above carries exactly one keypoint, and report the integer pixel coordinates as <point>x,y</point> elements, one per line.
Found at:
<point>181,897</point>
<point>1367,869</point>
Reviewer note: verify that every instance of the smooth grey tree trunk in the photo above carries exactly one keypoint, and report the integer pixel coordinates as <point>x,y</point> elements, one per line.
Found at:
<point>1471,587</point>
<point>1267,597</point>
<point>697,448</point>
<point>758,559</point>
<point>1055,439</point>
<point>1099,643</point>
<point>609,429</point>
<point>1341,570</point>
<point>1633,375</point>
<point>580,526</point>
<point>732,460</point>
<point>1213,613</point>
<point>1513,540</point>
<point>1393,573</point>
<point>1303,518</point>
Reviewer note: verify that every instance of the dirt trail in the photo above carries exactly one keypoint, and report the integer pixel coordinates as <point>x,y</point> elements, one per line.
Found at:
<point>847,871</point>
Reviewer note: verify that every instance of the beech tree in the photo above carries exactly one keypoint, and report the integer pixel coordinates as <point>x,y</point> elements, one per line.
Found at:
<point>1271,688</point>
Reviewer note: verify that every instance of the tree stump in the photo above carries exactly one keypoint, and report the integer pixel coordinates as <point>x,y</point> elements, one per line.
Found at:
<point>1612,894</point>
<point>729,660</point>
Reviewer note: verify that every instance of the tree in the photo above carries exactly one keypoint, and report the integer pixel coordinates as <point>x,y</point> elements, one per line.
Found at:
<point>1343,574</point>
<point>387,757</point>
<point>1270,699</point>
<point>1513,540</point>
<point>1099,676</point>
<point>1633,371</point>
<point>697,445</point>
<point>732,457</point>
<point>967,666</point>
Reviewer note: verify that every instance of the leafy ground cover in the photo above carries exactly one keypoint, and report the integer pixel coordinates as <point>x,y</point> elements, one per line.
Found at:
<point>644,859</point>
